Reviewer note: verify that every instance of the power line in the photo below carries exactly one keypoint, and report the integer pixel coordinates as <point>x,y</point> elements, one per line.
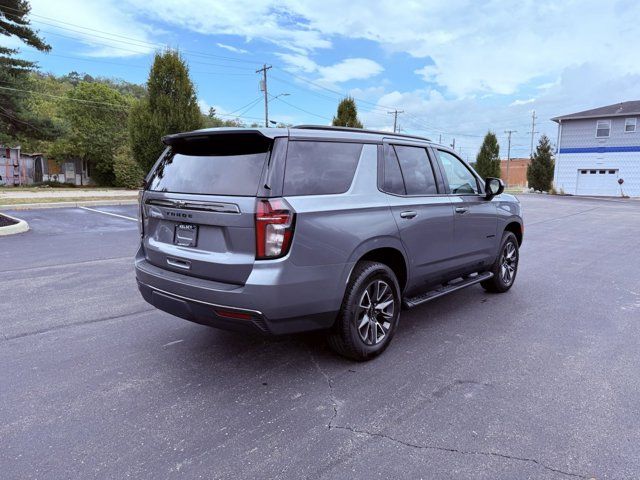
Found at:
<point>157,44</point>
<point>80,100</point>
<point>6,113</point>
<point>301,109</point>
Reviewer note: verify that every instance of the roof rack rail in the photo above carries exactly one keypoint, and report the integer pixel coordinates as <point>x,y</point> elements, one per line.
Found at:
<point>359,130</point>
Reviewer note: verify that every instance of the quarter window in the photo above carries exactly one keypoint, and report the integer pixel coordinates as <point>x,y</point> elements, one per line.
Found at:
<point>459,177</point>
<point>320,168</point>
<point>603,128</point>
<point>630,125</point>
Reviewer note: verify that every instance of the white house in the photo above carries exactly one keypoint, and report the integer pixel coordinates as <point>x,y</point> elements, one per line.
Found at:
<point>599,151</point>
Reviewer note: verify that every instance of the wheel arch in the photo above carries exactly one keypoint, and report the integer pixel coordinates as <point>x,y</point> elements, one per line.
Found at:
<point>517,229</point>
<point>387,250</point>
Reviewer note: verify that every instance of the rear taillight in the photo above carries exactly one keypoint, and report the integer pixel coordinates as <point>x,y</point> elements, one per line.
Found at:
<point>274,227</point>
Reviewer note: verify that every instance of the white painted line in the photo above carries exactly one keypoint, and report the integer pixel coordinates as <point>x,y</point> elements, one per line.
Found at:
<point>109,213</point>
<point>172,343</point>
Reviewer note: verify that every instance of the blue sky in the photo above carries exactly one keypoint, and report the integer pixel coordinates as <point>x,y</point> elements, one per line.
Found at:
<point>457,68</point>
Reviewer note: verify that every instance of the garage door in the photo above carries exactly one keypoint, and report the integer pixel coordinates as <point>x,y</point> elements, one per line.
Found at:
<point>598,182</point>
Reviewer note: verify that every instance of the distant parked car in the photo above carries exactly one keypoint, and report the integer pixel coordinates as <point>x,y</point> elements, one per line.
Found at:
<point>287,230</point>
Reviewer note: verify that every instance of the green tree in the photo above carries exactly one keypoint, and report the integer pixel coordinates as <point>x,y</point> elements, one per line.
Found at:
<point>14,117</point>
<point>96,115</point>
<point>488,159</point>
<point>169,107</point>
<point>347,115</point>
<point>127,171</point>
<point>540,170</point>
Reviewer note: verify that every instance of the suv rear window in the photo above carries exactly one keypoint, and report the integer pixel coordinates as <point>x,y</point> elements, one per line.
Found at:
<point>320,168</point>
<point>211,168</point>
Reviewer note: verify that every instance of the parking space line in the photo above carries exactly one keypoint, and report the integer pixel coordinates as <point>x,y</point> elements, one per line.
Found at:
<point>109,213</point>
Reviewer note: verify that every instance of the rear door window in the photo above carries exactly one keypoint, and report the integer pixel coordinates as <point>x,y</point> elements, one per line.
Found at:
<point>417,171</point>
<point>393,181</point>
<point>320,168</point>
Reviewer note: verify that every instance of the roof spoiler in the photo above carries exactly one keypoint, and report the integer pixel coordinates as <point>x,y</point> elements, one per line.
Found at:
<point>220,141</point>
<point>211,133</point>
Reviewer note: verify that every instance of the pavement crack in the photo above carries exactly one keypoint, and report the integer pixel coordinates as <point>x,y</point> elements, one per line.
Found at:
<point>456,450</point>
<point>332,397</point>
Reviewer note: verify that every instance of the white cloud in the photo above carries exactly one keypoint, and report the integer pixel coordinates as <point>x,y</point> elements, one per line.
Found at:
<point>86,17</point>
<point>522,102</point>
<point>298,62</point>
<point>231,48</point>
<point>496,48</point>
<point>350,69</point>
<point>343,71</point>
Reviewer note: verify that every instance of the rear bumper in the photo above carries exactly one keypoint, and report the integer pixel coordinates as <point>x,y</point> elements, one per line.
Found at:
<point>266,304</point>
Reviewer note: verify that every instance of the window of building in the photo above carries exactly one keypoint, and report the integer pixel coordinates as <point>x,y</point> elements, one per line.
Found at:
<point>630,125</point>
<point>603,128</point>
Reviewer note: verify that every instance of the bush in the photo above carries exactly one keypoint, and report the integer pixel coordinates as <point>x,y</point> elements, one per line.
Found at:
<point>54,184</point>
<point>128,173</point>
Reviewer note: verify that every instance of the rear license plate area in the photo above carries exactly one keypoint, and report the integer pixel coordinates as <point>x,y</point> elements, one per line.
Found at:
<point>186,235</point>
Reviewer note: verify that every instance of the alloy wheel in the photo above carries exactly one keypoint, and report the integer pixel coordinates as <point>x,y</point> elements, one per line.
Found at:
<point>375,312</point>
<point>508,263</point>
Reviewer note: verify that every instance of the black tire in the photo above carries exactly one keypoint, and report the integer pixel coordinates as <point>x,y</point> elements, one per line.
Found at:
<point>501,281</point>
<point>345,337</point>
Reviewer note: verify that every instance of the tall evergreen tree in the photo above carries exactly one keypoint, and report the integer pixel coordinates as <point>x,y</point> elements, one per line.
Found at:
<point>540,170</point>
<point>347,115</point>
<point>14,117</point>
<point>488,159</point>
<point>169,107</point>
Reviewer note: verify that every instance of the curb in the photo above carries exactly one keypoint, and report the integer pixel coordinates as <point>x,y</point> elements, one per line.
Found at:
<point>19,227</point>
<point>88,203</point>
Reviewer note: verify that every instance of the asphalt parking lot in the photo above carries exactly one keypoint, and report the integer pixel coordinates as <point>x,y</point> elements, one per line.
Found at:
<point>542,382</point>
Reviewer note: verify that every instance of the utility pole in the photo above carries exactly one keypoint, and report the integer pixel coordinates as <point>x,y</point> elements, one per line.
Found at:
<point>533,130</point>
<point>509,132</point>
<point>395,118</point>
<point>440,139</point>
<point>453,144</point>
<point>263,87</point>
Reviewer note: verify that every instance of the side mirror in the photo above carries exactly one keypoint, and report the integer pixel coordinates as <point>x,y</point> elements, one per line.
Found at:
<point>492,187</point>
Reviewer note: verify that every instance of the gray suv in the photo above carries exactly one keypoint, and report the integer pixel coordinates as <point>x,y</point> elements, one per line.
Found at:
<point>287,230</point>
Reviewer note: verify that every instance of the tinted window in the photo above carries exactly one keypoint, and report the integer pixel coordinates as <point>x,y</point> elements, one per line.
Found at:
<point>320,168</point>
<point>459,177</point>
<point>209,174</point>
<point>393,182</point>
<point>416,170</point>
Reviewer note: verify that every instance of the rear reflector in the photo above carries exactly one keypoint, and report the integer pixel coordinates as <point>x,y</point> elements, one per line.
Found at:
<point>233,314</point>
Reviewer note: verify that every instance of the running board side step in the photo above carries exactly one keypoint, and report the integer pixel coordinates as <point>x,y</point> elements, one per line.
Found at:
<point>445,289</point>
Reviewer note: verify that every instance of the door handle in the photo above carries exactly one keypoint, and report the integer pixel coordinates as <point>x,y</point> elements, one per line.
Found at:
<point>408,214</point>
<point>461,209</point>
